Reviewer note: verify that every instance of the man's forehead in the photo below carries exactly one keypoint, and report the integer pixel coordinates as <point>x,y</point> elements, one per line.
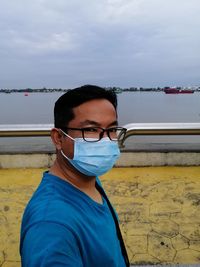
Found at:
<point>95,112</point>
<point>103,103</point>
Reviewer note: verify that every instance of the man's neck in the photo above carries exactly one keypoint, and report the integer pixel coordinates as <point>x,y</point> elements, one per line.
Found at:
<point>83,183</point>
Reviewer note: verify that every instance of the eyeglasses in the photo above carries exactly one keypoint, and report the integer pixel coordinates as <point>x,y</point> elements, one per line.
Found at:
<point>94,134</point>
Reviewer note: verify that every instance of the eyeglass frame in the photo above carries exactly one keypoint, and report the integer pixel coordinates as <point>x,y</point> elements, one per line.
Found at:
<point>101,134</point>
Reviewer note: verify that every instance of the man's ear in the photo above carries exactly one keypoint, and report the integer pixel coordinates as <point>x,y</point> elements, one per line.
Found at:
<point>56,138</point>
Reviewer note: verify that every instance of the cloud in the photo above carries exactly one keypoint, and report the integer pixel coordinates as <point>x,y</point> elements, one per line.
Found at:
<point>43,44</point>
<point>124,42</point>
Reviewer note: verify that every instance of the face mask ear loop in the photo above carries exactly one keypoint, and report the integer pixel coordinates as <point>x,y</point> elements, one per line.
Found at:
<point>67,135</point>
<point>64,155</point>
<point>61,149</point>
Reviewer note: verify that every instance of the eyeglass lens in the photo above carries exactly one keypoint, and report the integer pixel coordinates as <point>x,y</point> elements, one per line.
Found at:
<point>95,134</point>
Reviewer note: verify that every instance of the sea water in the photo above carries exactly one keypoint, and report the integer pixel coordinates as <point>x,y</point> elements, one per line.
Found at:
<point>133,107</point>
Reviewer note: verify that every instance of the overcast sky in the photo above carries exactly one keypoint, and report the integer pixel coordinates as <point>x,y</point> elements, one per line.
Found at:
<point>67,43</point>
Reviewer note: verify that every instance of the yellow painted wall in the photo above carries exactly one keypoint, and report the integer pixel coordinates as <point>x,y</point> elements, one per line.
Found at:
<point>159,210</point>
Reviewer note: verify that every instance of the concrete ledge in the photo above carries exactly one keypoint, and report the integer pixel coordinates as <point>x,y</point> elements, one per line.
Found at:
<point>127,159</point>
<point>26,161</point>
<point>134,159</point>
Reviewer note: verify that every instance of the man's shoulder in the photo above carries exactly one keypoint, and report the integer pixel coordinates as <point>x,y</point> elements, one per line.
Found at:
<point>54,199</point>
<point>62,204</point>
<point>53,209</point>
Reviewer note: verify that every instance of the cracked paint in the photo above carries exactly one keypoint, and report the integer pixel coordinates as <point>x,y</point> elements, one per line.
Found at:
<point>158,207</point>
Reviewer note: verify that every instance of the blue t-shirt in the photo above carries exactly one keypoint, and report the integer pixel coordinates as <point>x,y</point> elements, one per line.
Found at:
<point>62,226</point>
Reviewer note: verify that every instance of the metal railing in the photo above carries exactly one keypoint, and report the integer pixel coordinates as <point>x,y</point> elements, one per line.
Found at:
<point>26,130</point>
<point>161,129</point>
<point>175,128</point>
<point>36,144</point>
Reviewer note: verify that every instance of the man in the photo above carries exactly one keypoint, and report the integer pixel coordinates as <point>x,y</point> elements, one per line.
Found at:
<point>69,220</point>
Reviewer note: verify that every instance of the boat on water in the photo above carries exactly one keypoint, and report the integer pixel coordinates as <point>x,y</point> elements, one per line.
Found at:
<point>171,91</point>
<point>186,91</point>
<point>178,91</point>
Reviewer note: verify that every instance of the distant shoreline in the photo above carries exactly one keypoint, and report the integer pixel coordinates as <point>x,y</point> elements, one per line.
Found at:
<point>115,89</point>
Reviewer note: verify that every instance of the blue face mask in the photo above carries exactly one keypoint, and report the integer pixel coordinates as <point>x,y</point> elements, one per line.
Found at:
<point>93,158</point>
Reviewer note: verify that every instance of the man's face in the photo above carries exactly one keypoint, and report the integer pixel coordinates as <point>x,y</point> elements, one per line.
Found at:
<point>93,113</point>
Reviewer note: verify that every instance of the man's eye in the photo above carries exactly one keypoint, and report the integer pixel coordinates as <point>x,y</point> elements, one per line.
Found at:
<point>113,130</point>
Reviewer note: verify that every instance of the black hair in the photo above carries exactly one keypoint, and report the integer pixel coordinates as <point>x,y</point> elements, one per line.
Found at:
<point>63,109</point>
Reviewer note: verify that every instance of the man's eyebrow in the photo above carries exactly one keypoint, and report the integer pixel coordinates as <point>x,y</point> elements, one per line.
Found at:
<point>114,123</point>
<point>89,122</point>
<point>94,123</point>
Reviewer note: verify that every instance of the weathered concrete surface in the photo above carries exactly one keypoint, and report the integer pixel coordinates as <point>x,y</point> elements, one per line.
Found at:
<point>127,159</point>
<point>159,210</point>
<point>132,159</point>
<point>9,161</point>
